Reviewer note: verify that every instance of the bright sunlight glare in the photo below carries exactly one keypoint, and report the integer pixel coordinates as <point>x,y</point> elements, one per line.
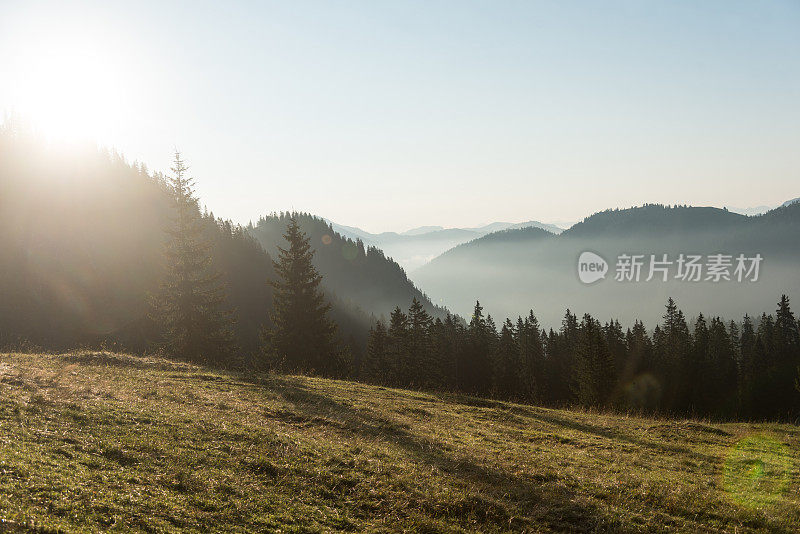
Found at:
<point>69,85</point>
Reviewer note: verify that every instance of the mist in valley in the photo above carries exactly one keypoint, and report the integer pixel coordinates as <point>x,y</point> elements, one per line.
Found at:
<point>513,272</point>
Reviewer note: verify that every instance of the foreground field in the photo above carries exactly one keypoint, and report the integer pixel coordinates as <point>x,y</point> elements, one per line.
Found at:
<point>96,441</point>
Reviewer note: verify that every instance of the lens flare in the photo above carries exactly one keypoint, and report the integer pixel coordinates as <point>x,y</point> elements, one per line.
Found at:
<point>349,251</point>
<point>757,471</point>
<point>643,392</point>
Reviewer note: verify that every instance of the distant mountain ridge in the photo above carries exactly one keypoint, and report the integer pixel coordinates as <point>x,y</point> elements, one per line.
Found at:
<point>415,247</point>
<point>760,210</point>
<point>509,235</point>
<point>755,210</point>
<point>515,270</point>
<point>422,230</point>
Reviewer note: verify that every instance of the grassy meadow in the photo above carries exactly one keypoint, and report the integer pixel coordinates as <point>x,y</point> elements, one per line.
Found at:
<point>110,442</point>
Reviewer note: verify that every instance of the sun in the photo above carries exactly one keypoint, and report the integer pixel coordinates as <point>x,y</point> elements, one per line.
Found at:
<point>68,85</point>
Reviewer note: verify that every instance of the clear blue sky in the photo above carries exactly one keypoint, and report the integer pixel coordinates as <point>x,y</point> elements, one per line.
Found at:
<point>389,115</point>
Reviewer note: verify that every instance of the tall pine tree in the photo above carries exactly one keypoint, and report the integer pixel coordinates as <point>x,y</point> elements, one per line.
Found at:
<point>397,346</point>
<point>476,366</point>
<point>673,365</point>
<point>419,324</point>
<point>593,365</point>
<point>375,364</point>
<point>787,357</point>
<point>190,304</point>
<point>532,356</point>
<point>302,337</point>
<point>508,364</point>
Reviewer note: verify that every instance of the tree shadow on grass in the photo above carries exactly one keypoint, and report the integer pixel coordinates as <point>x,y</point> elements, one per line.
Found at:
<point>550,418</point>
<point>500,498</point>
<point>108,359</point>
<point>603,432</point>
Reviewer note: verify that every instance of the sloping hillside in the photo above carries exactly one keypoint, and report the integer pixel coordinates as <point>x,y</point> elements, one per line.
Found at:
<point>513,272</point>
<point>96,441</point>
<point>361,275</point>
<point>82,239</point>
<point>486,246</point>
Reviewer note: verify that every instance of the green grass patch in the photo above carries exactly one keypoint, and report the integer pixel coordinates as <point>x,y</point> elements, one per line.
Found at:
<point>99,441</point>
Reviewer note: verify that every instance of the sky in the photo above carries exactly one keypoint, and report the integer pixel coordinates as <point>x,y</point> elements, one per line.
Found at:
<point>392,115</point>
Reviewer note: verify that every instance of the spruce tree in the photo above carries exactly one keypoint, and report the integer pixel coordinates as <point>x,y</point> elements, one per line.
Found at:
<point>702,372</point>
<point>437,364</point>
<point>640,390</point>
<point>786,331</point>
<point>747,366</point>
<point>476,371</point>
<point>787,357</point>
<point>562,348</point>
<point>450,344</point>
<point>673,364</point>
<point>593,366</point>
<point>507,363</point>
<point>527,371</point>
<point>302,337</point>
<point>721,383</point>
<point>615,340</point>
<point>532,354</point>
<point>374,366</point>
<point>397,346</point>
<point>419,324</point>
<point>190,304</point>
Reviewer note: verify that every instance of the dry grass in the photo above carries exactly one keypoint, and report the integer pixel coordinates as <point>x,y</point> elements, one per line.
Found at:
<point>97,441</point>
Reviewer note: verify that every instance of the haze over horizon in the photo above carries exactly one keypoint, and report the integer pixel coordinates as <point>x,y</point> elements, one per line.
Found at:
<point>389,118</point>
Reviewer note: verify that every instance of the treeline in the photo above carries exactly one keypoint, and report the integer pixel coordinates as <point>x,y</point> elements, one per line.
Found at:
<point>709,369</point>
<point>96,251</point>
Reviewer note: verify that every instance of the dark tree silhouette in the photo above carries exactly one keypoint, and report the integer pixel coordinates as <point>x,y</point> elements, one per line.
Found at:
<point>419,344</point>
<point>476,361</point>
<point>375,364</point>
<point>302,337</point>
<point>190,303</point>
<point>593,367</point>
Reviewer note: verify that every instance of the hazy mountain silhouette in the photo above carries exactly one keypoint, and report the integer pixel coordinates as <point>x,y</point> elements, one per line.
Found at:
<point>755,210</point>
<point>415,247</point>
<point>422,230</point>
<point>354,272</point>
<point>515,270</point>
<point>759,210</point>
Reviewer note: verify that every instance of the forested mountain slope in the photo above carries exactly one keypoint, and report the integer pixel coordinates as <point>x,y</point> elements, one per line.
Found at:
<point>355,273</point>
<point>82,235</point>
